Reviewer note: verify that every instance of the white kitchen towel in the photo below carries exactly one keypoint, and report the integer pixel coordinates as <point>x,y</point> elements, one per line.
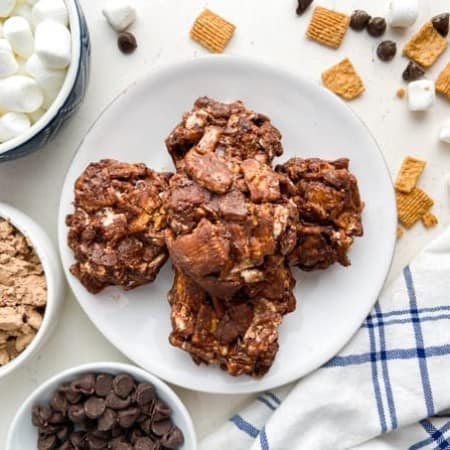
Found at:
<point>383,391</point>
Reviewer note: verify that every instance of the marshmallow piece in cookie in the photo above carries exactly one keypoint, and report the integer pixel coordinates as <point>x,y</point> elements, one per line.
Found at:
<point>8,64</point>
<point>120,14</point>
<point>12,125</point>
<point>48,79</point>
<point>52,43</point>
<point>50,9</point>
<point>18,32</point>
<point>20,94</point>
<point>444,134</point>
<point>403,13</point>
<point>6,7</point>
<point>421,95</point>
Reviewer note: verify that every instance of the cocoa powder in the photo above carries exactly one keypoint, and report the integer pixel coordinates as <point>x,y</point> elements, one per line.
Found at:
<point>23,292</point>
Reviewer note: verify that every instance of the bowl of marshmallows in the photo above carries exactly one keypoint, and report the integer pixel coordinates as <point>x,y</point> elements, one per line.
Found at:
<point>44,70</point>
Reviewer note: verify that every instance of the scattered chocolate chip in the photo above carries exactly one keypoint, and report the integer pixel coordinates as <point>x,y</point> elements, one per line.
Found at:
<point>303,5</point>
<point>413,72</point>
<point>359,20</point>
<point>49,442</point>
<point>173,439</point>
<point>84,384</point>
<point>103,384</point>
<point>59,402</point>
<point>161,411</point>
<point>386,50</point>
<point>144,443</point>
<point>94,407</point>
<point>127,417</point>
<point>376,26</point>
<point>113,401</point>
<point>127,42</point>
<point>107,420</point>
<point>76,413</point>
<point>441,23</point>
<point>145,393</point>
<point>162,427</point>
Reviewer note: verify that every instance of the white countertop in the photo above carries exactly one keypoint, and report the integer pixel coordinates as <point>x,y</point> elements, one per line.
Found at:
<point>267,30</point>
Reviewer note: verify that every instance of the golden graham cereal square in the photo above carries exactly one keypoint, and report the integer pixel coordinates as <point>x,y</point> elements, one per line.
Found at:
<point>409,174</point>
<point>443,81</point>
<point>343,80</point>
<point>413,206</point>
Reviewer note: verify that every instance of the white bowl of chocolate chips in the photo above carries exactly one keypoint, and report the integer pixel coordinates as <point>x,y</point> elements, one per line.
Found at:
<point>102,406</point>
<point>31,288</point>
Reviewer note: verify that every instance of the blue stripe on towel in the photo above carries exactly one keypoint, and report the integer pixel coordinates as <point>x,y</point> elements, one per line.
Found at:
<point>245,426</point>
<point>407,311</point>
<point>273,397</point>
<point>419,341</point>
<point>267,403</point>
<point>410,320</point>
<point>263,440</point>
<point>436,436</point>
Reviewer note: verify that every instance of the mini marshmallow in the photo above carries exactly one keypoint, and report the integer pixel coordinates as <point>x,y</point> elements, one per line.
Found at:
<point>36,115</point>
<point>20,94</point>
<point>12,125</point>
<point>52,43</point>
<point>8,64</point>
<point>421,95</point>
<point>120,14</point>
<point>48,79</point>
<point>403,13</point>
<point>49,97</point>
<point>23,10</point>
<point>6,6</point>
<point>50,9</point>
<point>444,134</point>
<point>18,32</point>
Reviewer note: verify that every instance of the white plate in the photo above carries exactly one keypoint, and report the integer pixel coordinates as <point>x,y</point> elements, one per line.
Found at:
<point>331,304</point>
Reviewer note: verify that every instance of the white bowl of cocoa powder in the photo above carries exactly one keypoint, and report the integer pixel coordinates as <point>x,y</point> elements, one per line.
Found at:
<point>31,288</point>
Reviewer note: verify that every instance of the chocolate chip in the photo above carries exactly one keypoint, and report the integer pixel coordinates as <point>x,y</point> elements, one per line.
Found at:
<point>76,413</point>
<point>107,420</point>
<point>96,443</point>
<point>127,417</point>
<point>376,26</point>
<point>40,415</point>
<point>84,384</point>
<point>123,385</point>
<point>47,442</point>
<point>87,424</point>
<point>146,426</point>
<point>59,402</point>
<point>72,396</point>
<point>57,418</point>
<point>386,50</point>
<point>64,432</point>
<point>359,20</point>
<point>145,393</point>
<point>77,437</point>
<point>303,5</point>
<point>144,443</point>
<point>135,434</point>
<point>66,446</point>
<point>413,72</point>
<point>103,384</point>
<point>127,42</point>
<point>441,23</point>
<point>94,407</point>
<point>117,431</point>
<point>123,446</point>
<point>173,439</point>
<point>113,401</point>
<point>162,427</point>
<point>113,443</point>
<point>161,411</point>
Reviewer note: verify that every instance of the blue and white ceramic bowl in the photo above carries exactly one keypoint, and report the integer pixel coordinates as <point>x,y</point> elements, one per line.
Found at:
<point>69,98</point>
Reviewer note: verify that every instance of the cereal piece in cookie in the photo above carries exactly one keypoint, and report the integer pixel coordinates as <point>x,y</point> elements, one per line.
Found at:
<point>409,173</point>
<point>426,46</point>
<point>212,31</point>
<point>342,79</point>
<point>328,27</point>
<point>443,82</point>
<point>429,220</point>
<point>413,206</point>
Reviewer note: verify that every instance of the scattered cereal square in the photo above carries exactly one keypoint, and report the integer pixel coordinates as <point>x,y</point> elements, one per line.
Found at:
<point>443,81</point>
<point>400,232</point>
<point>212,31</point>
<point>409,173</point>
<point>413,206</point>
<point>328,27</point>
<point>342,79</point>
<point>429,220</point>
<point>426,46</point>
